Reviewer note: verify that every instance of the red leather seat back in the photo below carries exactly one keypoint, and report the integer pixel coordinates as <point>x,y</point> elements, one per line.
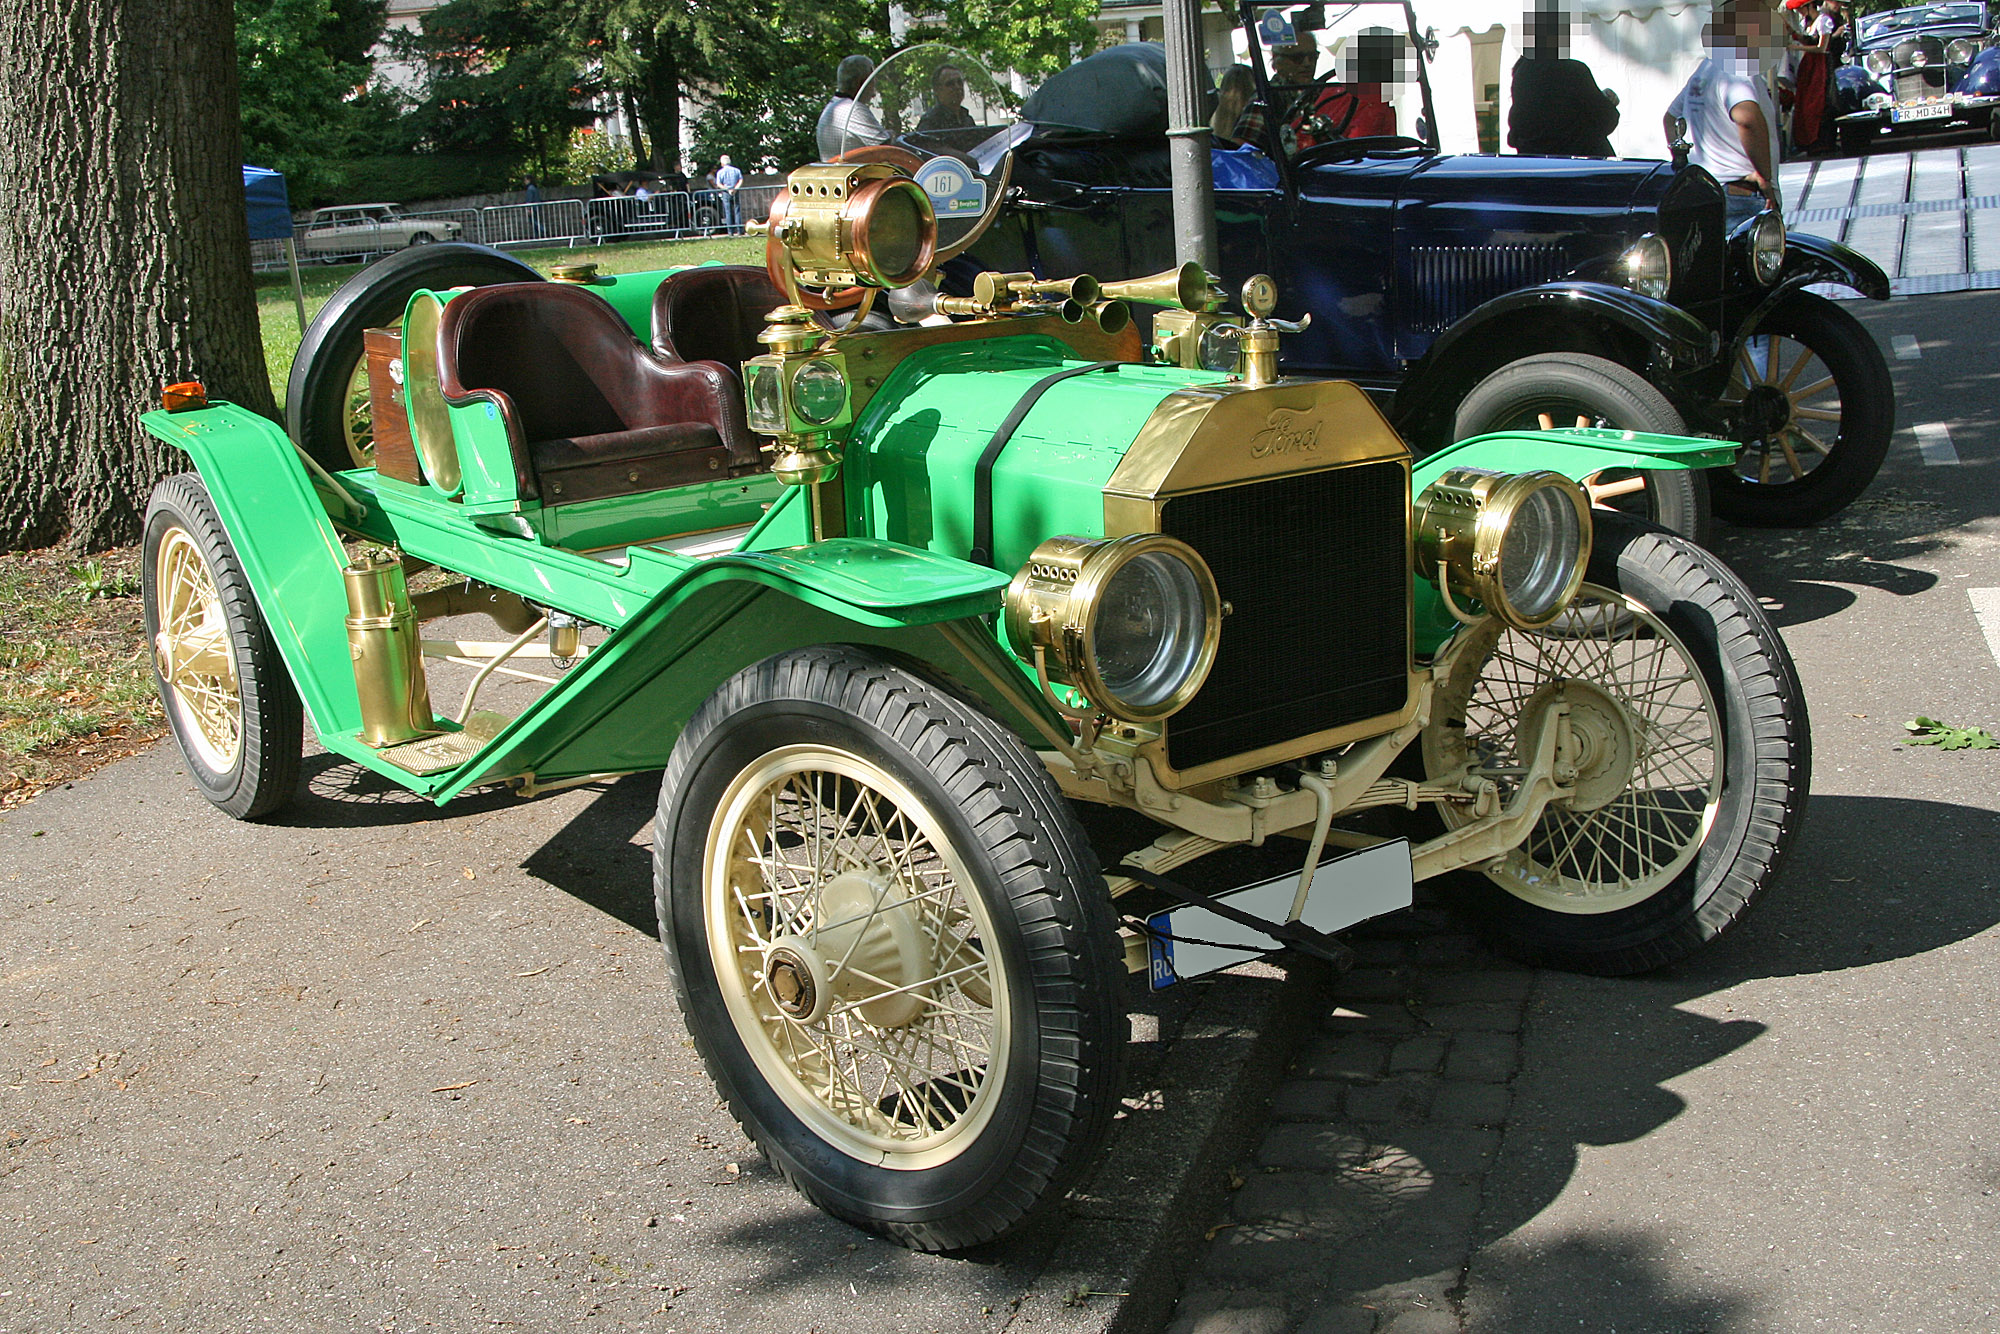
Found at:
<point>713,313</point>
<point>582,399</point>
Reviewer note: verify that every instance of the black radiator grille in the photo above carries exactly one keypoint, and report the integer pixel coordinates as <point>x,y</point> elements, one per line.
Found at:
<point>1316,571</point>
<point>1448,283</point>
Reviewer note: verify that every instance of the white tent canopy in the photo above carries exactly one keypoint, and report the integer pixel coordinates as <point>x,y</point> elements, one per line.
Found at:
<point>1642,51</point>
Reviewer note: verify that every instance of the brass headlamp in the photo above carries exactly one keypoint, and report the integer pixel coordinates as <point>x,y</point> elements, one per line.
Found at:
<point>1517,542</point>
<point>855,224</point>
<point>1132,622</point>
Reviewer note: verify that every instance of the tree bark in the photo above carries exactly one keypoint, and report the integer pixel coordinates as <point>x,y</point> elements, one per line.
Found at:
<point>124,253</point>
<point>659,96</point>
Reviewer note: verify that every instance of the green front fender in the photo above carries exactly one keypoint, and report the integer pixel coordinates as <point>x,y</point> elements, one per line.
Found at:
<point>1576,454</point>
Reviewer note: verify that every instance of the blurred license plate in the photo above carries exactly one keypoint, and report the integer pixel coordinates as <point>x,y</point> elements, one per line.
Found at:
<point>1935,111</point>
<point>1189,941</point>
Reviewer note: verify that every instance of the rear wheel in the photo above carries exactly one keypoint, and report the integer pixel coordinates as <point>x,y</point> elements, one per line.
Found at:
<point>423,238</point>
<point>1810,399</point>
<point>1692,753</point>
<point>891,943</point>
<point>228,697</point>
<point>1553,391</point>
<point>327,408</point>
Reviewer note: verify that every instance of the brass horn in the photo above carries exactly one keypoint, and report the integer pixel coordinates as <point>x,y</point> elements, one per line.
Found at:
<point>1081,289</point>
<point>1188,287</point>
<point>1111,316</point>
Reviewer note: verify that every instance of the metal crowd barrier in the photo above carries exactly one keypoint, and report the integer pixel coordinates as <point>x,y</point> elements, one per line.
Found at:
<point>554,222</point>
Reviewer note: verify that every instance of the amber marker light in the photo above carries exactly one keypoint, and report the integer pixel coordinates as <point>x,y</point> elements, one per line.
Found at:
<point>183,396</point>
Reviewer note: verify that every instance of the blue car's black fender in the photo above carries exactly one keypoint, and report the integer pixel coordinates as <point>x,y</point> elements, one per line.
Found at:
<point>1651,336</point>
<point>1810,260</point>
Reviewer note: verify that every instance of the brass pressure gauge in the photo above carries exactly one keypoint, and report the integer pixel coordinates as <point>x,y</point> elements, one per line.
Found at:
<point>1260,296</point>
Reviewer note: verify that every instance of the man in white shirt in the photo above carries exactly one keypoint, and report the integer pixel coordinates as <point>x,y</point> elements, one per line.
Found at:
<point>847,123</point>
<point>1725,110</point>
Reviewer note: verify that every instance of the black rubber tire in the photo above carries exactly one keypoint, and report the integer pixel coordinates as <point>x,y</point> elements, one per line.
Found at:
<point>1765,749</point>
<point>1867,401</point>
<point>1057,953</point>
<point>316,394</point>
<point>1568,385</point>
<point>422,238</point>
<point>265,773</point>
<point>1765,754</point>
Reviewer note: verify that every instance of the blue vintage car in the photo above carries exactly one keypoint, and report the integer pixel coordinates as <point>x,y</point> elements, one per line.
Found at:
<point>1920,70</point>
<point>1474,292</point>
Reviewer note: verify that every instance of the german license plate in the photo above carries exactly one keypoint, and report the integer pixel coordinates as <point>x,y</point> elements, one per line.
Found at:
<point>1931,111</point>
<point>1190,940</point>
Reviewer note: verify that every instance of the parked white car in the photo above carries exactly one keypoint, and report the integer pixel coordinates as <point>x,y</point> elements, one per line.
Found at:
<point>354,229</point>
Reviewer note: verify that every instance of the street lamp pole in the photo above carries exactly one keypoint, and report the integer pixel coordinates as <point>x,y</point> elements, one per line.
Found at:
<point>1188,138</point>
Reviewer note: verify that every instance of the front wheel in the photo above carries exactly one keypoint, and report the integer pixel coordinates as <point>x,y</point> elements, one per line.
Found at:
<point>1691,749</point>
<point>229,698</point>
<point>1811,403</point>
<point>1549,391</point>
<point>891,944</point>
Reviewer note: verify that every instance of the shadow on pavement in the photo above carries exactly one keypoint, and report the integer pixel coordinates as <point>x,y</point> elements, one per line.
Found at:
<point>1406,1148</point>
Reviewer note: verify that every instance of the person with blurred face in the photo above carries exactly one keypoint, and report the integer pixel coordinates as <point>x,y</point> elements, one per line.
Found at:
<point>1555,107</point>
<point>1725,110</point>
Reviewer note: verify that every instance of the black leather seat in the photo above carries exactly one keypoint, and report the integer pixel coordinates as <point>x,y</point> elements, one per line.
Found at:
<point>589,413</point>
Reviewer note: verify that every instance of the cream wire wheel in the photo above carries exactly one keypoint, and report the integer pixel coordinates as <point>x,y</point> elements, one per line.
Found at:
<point>360,418</point>
<point>852,957</point>
<point>892,945</point>
<point>193,654</point>
<point>1645,747</point>
<point>1684,747</point>
<point>227,695</point>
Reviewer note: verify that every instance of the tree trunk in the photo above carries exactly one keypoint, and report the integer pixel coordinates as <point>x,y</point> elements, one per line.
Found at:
<point>660,103</point>
<point>124,253</point>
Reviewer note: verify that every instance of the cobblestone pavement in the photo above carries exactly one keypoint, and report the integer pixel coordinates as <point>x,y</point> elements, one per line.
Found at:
<point>1359,1209</point>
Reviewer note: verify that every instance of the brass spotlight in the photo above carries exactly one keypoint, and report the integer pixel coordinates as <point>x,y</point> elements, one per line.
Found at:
<point>1517,542</point>
<point>855,224</point>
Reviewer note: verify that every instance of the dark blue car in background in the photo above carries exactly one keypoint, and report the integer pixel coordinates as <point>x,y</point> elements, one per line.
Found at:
<point>1473,292</point>
<point>1920,70</point>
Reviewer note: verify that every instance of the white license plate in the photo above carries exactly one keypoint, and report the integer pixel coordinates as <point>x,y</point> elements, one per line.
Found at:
<point>1190,940</point>
<point>1935,111</point>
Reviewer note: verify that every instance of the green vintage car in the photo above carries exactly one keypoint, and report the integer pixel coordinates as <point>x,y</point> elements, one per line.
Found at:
<point>891,607</point>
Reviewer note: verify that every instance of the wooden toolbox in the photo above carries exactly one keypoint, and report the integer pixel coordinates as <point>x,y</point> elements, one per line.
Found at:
<point>395,452</point>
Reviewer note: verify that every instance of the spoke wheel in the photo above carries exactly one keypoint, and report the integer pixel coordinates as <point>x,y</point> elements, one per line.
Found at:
<point>228,697</point>
<point>852,957</point>
<point>1558,391</point>
<point>1810,400</point>
<point>1647,749</point>
<point>892,945</point>
<point>1687,735</point>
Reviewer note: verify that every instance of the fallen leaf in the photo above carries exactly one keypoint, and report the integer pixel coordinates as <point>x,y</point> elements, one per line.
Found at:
<point>453,1088</point>
<point>425,922</point>
<point>469,875</point>
<point>537,972</point>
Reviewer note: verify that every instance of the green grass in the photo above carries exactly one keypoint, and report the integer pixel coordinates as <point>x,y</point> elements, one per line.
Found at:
<point>279,318</point>
<point>72,659</point>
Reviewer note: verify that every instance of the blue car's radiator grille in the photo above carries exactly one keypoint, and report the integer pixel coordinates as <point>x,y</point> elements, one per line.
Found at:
<point>1315,570</point>
<point>1446,283</point>
<point>1914,81</point>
